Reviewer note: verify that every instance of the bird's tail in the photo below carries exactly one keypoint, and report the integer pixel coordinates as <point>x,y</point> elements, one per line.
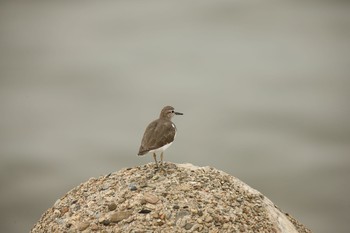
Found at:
<point>141,153</point>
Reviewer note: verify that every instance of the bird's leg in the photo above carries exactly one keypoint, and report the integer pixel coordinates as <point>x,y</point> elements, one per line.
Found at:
<point>155,158</point>
<point>161,158</point>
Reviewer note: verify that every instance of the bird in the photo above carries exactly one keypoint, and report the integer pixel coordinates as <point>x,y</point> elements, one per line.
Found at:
<point>159,134</point>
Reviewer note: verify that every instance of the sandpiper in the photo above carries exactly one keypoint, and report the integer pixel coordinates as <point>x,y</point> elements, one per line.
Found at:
<point>159,134</point>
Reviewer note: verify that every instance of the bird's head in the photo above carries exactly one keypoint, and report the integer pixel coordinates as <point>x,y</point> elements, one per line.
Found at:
<point>168,112</point>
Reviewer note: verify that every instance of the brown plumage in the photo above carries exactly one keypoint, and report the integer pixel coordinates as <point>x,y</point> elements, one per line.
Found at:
<point>159,134</point>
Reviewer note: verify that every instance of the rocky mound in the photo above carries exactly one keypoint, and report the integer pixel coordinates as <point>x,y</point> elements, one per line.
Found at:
<point>180,198</point>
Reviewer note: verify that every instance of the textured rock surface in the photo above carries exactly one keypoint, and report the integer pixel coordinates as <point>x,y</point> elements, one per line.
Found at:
<point>180,198</point>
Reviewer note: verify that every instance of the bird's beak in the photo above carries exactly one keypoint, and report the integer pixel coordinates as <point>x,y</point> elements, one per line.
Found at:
<point>178,113</point>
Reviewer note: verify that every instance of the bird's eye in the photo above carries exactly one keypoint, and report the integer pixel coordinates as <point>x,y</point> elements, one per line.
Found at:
<point>172,111</point>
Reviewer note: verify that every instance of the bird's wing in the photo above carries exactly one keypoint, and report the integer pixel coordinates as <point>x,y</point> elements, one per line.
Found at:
<point>157,134</point>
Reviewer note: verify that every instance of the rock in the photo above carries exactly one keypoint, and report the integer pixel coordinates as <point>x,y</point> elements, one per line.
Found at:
<point>121,200</point>
<point>196,227</point>
<point>182,218</point>
<point>119,216</point>
<point>94,227</point>
<point>58,201</point>
<point>182,213</point>
<point>150,198</point>
<point>185,187</point>
<point>188,226</point>
<point>56,213</point>
<point>101,219</point>
<point>208,218</point>
<point>105,186</point>
<point>112,206</point>
<point>225,226</point>
<point>181,222</point>
<point>159,222</point>
<point>106,222</point>
<point>200,213</point>
<point>64,210</point>
<point>145,211</point>
<point>132,187</point>
<point>82,226</point>
<point>180,198</point>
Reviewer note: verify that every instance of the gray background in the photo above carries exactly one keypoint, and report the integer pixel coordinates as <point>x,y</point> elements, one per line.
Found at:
<point>264,86</point>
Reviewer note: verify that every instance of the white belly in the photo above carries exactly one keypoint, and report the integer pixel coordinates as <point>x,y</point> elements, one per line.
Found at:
<point>161,149</point>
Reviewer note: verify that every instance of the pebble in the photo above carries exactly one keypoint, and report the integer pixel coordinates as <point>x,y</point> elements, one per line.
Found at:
<point>188,226</point>
<point>132,187</point>
<point>121,200</point>
<point>182,213</point>
<point>150,198</point>
<point>208,218</point>
<point>112,206</point>
<point>181,222</point>
<point>159,222</point>
<point>196,227</point>
<point>119,216</point>
<point>94,227</point>
<point>57,203</point>
<point>105,186</point>
<point>185,187</point>
<point>64,210</point>
<point>241,228</point>
<point>83,225</point>
<point>101,219</point>
<point>194,211</point>
<point>143,202</point>
<point>72,231</point>
<point>56,213</point>
<point>106,222</point>
<point>117,230</point>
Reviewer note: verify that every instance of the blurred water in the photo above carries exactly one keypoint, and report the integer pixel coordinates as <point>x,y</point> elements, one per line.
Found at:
<point>264,86</point>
